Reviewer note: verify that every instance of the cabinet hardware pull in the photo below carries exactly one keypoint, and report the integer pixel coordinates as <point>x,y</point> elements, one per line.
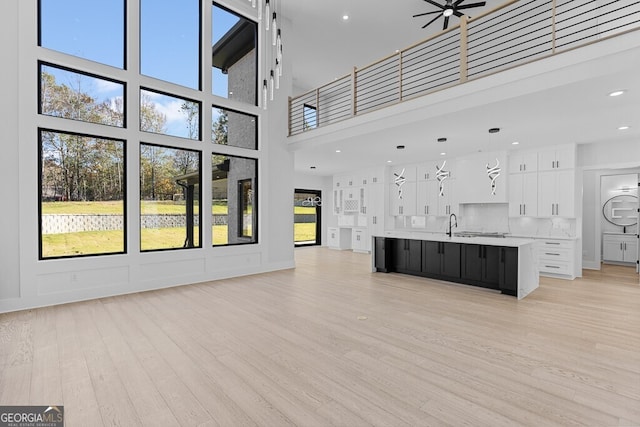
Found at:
<point>552,266</point>
<point>524,209</point>
<point>620,246</point>
<point>549,253</point>
<point>551,243</point>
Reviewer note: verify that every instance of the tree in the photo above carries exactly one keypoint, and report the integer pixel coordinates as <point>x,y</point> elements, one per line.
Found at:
<point>220,128</point>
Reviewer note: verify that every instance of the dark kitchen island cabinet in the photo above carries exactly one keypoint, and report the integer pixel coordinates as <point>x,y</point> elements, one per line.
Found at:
<point>508,265</point>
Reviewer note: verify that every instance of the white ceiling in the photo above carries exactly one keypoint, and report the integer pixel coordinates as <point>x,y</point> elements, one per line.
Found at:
<point>541,104</point>
<point>325,46</point>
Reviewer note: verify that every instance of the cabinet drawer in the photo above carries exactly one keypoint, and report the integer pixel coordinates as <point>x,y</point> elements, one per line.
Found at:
<point>556,267</point>
<point>554,254</point>
<point>555,244</point>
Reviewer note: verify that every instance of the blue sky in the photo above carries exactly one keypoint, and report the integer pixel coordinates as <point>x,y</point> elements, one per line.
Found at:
<point>94,30</point>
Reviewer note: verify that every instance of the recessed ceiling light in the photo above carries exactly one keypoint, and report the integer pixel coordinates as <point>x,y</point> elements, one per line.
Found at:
<point>338,151</point>
<point>442,139</point>
<point>515,143</point>
<point>494,130</point>
<point>400,147</point>
<point>345,17</point>
<point>617,93</point>
<point>312,167</point>
<point>623,127</point>
<point>388,161</point>
<point>443,154</point>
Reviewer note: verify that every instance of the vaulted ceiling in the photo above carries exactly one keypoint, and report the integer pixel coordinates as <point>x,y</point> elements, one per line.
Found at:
<point>556,103</point>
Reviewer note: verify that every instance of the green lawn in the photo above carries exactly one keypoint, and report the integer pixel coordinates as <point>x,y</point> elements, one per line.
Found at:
<point>103,242</point>
<point>84,243</point>
<point>303,232</point>
<point>303,210</point>
<point>115,208</point>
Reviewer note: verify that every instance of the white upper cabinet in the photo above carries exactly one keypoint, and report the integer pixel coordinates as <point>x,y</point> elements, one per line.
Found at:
<point>446,196</point>
<point>523,194</point>
<point>523,161</point>
<point>402,199</point>
<point>402,173</point>
<point>426,171</point>
<point>376,175</point>
<point>482,178</point>
<point>556,193</point>
<point>342,181</point>
<point>557,158</point>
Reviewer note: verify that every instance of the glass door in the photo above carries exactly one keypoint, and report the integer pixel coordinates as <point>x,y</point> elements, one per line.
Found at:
<point>307,208</point>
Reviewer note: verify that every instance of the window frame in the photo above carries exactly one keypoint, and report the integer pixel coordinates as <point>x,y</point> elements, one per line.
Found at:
<point>246,113</point>
<point>125,187</point>
<point>199,193</point>
<point>171,95</point>
<point>42,63</point>
<point>255,207</point>
<point>125,43</point>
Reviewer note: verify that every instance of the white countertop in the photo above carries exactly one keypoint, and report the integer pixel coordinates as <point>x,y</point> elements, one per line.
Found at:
<point>524,236</point>
<point>442,237</point>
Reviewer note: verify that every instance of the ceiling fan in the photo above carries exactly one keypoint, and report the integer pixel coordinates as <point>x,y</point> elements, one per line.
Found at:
<point>449,8</point>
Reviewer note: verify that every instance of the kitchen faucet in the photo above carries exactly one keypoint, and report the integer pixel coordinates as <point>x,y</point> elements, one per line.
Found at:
<point>456,224</point>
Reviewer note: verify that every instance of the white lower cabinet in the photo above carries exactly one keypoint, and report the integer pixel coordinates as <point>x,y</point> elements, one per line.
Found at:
<point>557,257</point>
<point>620,248</point>
<point>360,241</point>
<point>339,238</point>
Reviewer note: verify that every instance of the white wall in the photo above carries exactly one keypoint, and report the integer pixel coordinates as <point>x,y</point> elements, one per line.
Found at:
<point>9,259</point>
<point>596,160</point>
<point>26,282</point>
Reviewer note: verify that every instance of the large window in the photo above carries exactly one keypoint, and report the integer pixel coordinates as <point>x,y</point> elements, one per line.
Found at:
<point>82,194</point>
<point>80,96</point>
<point>235,71</point>
<point>84,122</point>
<point>234,128</point>
<point>169,198</point>
<point>170,41</point>
<point>234,196</point>
<point>169,115</point>
<point>90,29</point>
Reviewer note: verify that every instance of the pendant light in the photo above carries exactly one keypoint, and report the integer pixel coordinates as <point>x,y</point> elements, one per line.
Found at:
<point>264,94</point>
<point>274,29</point>
<point>271,85</point>
<point>267,13</point>
<point>278,73</point>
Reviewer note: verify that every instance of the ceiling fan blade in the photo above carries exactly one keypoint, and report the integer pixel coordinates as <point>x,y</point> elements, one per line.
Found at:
<point>446,23</point>
<point>469,6</point>
<point>430,22</point>
<point>427,13</point>
<point>457,3</point>
<point>435,4</point>
<point>458,14</point>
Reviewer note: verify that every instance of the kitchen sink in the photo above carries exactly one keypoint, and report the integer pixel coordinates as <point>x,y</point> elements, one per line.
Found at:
<point>479,234</point>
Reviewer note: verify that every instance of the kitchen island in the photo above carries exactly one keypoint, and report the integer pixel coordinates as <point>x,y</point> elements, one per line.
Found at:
<point>507,264</point>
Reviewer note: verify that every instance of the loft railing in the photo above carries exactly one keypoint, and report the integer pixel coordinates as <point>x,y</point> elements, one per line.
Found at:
<point>512,34</point>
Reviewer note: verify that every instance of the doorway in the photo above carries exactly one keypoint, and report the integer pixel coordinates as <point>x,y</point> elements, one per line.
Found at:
<point>307,214</point>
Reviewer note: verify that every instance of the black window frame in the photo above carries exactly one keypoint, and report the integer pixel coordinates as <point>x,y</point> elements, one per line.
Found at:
<point>124,37</point>
<point>256,210</point>
<point>125,187</point>
<point>256,129</point>
<point>172,95</point>
<point>171,147</point>
<point>88,74</point>
<point>256,44</point>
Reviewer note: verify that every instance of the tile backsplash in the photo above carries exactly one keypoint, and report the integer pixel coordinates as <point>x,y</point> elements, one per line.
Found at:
<point>492,217</point>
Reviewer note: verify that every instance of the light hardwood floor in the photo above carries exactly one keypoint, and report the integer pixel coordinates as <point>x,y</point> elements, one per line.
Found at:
<point>330,343</point>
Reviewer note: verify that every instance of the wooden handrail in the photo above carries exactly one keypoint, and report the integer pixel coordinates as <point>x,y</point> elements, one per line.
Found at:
<point>425,59</point>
